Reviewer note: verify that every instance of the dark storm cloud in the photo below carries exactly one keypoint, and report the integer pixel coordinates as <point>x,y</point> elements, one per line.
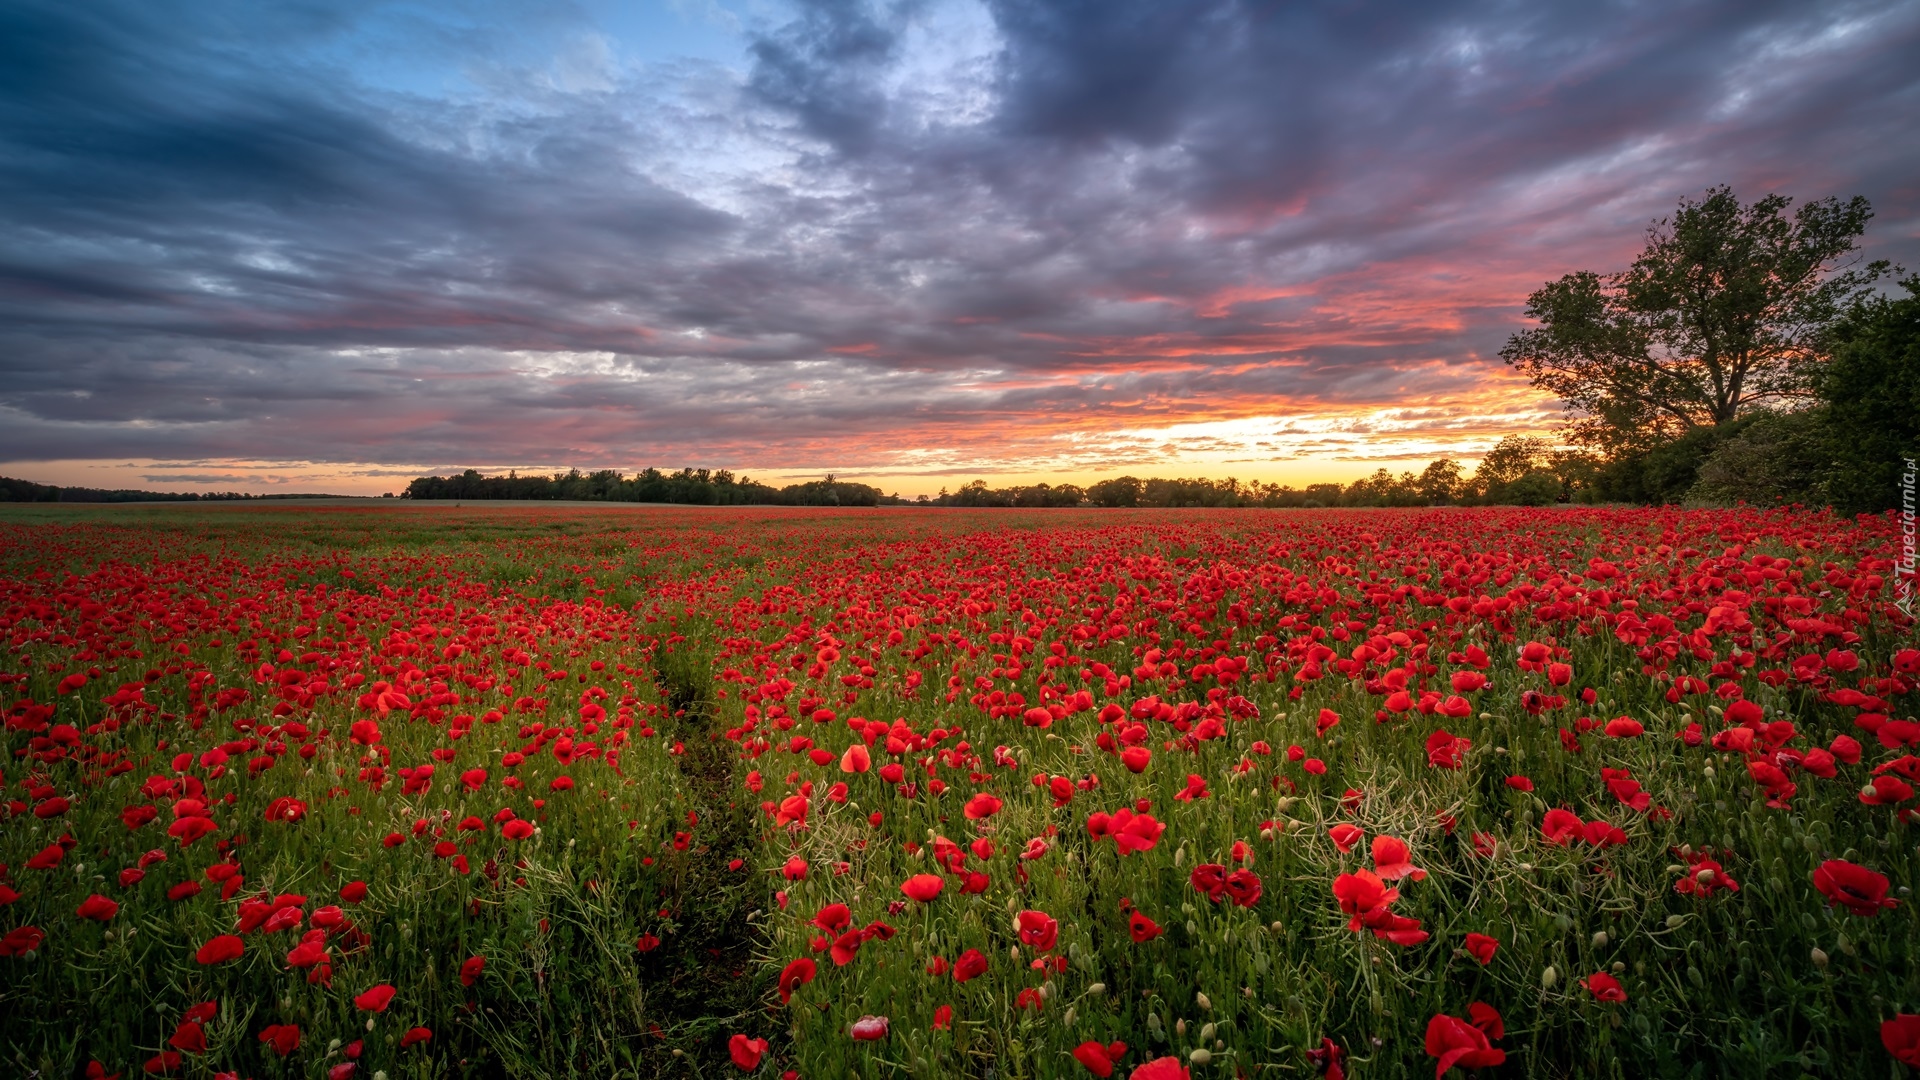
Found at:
<point>224,243</point>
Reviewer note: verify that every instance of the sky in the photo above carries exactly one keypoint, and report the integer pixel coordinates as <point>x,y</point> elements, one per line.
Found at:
<point>331,245</point>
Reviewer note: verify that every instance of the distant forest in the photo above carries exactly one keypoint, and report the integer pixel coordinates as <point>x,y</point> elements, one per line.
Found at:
<point>1519,471</point>
<point>700,487</point>
<point>12,490</point>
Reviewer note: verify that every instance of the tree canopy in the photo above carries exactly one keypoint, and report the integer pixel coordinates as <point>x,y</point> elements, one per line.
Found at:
<point>1728,308</point>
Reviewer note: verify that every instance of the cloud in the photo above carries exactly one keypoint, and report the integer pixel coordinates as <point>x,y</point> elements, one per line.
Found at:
<point>927,235</point>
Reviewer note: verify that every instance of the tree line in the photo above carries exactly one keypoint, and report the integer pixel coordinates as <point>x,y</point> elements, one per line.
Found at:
<point>12,490</point>
<point>1520,471</point>
<point>697,487</point>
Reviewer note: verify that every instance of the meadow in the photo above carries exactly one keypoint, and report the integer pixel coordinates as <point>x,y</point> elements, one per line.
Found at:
<point>407,791</point>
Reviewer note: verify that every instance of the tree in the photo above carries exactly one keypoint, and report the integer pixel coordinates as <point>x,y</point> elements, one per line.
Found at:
<point>1119,491</point>
<point>1439,483</point>
<point>1728,308</point>
<point>1510,459</point>
<point>1872,395</point>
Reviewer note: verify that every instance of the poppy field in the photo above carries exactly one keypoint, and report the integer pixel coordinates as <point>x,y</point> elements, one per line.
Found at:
<point>413,791</point>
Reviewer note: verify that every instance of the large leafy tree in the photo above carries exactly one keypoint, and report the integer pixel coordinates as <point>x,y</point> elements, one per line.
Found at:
<point>1727,309</point>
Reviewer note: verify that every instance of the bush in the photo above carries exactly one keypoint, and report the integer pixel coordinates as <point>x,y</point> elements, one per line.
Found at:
<point>1780,458</point>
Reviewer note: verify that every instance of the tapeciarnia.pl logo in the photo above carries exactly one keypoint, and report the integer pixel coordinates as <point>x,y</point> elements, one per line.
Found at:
<point>1903,576</point>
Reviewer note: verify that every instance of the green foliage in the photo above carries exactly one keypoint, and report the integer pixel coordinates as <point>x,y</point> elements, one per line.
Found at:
<point>1776,460</point>
<point>1872,394</point>
<point>1728,307</point>
<point>1537,488</point>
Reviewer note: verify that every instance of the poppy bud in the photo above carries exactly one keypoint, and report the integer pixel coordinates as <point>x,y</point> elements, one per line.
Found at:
<point>1599,939</point>
<point>1206,1032</point>
<point>1549,977</point>
<point>1204,1003</point>
<point>1200,1056</point>
<point>1096,989</point>
<point>1819,956</point>
<point>1674,921</point>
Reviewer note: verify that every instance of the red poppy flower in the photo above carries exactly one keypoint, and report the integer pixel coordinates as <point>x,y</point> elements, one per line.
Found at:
<point>1142,928</point>
<point>1209,878</point>
<point>846,947</point>
<point>1487,1019</point>
<point>982,805</point>
<point>1196,789</point>
<point>795,975</point>
<point>1853,887</point>
<point>189,1038</point>
<point>1098,1059</point>
<point>1446,750</point>
<point>415,1035</point>
<point>1136,758</point>
<point>646,943</point>
<point>1133,832</point>
<point>922,887</point>
<point>1165,1068</point>
<point>1466,682</point>
<point>1362,892</point>
<point>375,999</point>
<point>220,950</point>
<point>470,970</point>
<point>1561,827</point>
<point>1886,791</point>
<point>353,891</point>
<point>1481,947</point>
<point>1398,929</point>
<point>971,965</point>
<point>1901,1037</point>
<point>1243,887</point>
<point>1345,835</point>
<point>833,918</point>
<point>98,908</point>
<point>1391,860</point>
<point>943,1018</point>
<point>857,759</point>
<point>1326,1057</point>
<point>1603,833</point>
<point>745,1052</point>
<point>283,1038</point>
<point>1457,1042</point>
<point>1604,987</point>
<point>869,1028</point>
<point>1519,783</point>
<point>1326,720</point>
<point>517,829</point>
<point>1038,930</point>
<point>22,940</point>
